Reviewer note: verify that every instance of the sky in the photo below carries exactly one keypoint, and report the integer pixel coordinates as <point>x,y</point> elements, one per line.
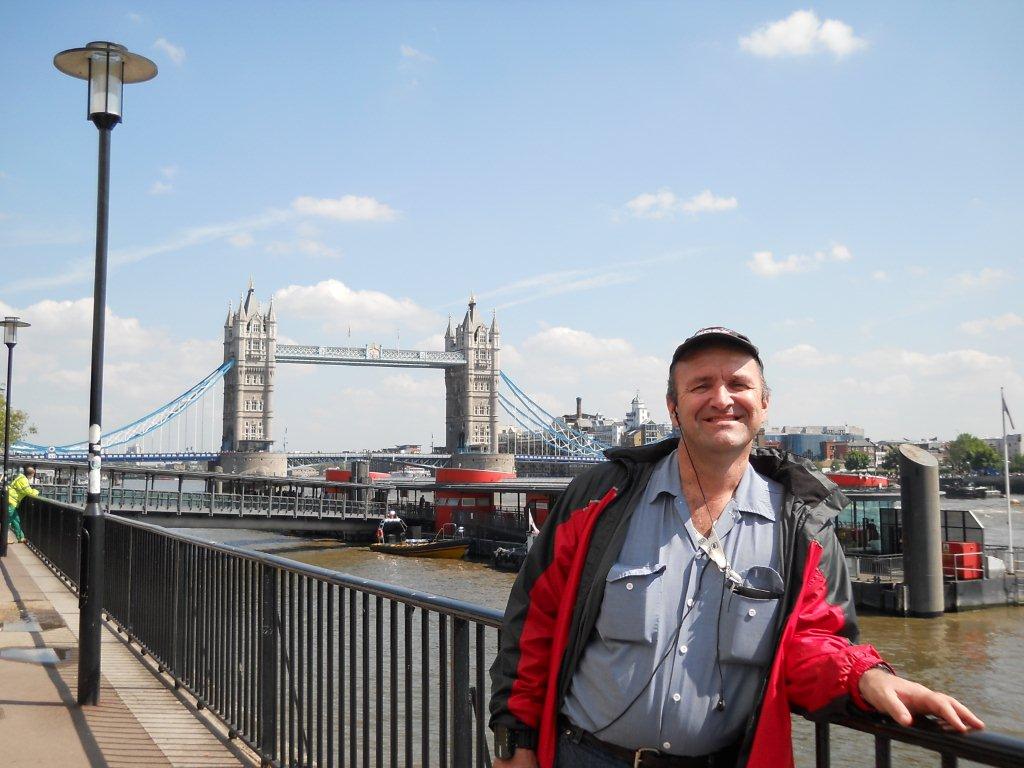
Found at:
<point>837,181</point>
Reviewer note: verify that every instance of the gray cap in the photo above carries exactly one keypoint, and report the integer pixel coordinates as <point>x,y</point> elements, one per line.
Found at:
<point>717,334</point>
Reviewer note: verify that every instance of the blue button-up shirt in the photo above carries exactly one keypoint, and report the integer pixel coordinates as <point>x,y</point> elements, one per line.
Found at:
<point>672,638</point>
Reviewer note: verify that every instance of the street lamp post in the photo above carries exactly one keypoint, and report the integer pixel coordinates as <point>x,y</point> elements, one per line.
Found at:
<point>11,326</point>
<point>106,67</point>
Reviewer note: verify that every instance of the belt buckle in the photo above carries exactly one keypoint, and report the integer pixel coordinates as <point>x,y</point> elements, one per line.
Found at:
<point>638,757</point>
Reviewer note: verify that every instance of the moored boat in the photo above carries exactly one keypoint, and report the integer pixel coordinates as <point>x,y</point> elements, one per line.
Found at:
<point>858,481</point>
<point>447,544</point>
<point>446,549</point>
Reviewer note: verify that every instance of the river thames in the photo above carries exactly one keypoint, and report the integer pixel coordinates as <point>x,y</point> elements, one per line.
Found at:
<point>976,656</point>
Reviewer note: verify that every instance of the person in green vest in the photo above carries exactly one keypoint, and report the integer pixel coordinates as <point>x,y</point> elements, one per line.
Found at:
<point>18,489</point>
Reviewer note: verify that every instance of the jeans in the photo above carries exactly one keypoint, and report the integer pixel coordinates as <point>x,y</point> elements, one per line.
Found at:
<point>573,755</point>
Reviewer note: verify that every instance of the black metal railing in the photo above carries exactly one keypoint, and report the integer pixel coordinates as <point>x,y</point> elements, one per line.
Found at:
<point>307,666</point>
<point>313,667</point>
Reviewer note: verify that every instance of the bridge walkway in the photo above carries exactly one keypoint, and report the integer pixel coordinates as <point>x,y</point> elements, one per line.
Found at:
<point>140,721</point>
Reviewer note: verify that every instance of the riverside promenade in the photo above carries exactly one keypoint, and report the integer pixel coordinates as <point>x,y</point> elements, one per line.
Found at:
<point>141,719</point>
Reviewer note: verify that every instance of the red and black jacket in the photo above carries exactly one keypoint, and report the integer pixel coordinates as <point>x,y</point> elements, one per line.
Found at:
<point>557,596</point>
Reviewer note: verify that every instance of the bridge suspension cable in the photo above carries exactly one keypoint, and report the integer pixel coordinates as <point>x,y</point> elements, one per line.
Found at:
<point>140,428</point>
<point>555,431</point>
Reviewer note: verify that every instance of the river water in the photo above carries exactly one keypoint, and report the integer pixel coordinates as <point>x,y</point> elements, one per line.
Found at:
<point>977,656</point>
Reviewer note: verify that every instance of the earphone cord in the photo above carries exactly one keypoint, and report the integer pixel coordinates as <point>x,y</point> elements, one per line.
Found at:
<point>720,704</point>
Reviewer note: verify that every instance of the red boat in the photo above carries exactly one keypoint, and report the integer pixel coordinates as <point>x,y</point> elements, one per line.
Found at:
<point>858,481</point>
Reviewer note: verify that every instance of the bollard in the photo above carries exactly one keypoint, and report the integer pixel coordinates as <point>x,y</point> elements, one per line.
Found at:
<point>922,532</point>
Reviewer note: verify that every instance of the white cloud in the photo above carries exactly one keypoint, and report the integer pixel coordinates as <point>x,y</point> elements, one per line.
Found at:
<point>836,253</point>
<point>706,202</point>
<point>408,52</point>
<point>304,247</point>
<point>241,240</point>
<point>880,276</point>
<point>563,342</point>
<point>163,185</point>
<point>987,277</point>
<point>345,208</point>
<point>664,204</point>
<point>174,52</point>
<point>802,33</point>
<point>985,325</point>
<point>3,174</point>
<point>135,18</point>
<point>144,367</point>
<point>335,307</point>
<point>804,356</point>
<point>935,364</point>
<point>765,264</point>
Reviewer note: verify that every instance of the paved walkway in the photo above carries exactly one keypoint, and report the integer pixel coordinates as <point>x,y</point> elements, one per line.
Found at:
<point>140,721</point>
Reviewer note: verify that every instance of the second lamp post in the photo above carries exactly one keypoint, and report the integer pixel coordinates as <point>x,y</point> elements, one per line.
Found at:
<point>11,326</point>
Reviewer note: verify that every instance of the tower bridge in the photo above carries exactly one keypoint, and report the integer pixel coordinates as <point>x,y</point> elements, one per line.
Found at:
<point>471,362</point>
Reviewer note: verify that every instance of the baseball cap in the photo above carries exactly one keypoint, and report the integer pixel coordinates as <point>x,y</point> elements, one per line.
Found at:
<point>717,334</point>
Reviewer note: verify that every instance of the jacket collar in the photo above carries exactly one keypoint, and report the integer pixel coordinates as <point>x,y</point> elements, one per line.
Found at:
<point>798,476</point>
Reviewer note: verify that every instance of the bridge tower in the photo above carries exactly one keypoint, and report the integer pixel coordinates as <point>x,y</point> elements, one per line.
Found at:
<point>471,414</point>
<point>250,337</point>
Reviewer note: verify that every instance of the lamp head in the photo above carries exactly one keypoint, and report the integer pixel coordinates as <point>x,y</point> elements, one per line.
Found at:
<point>106,67</point>
<point>11,326</point>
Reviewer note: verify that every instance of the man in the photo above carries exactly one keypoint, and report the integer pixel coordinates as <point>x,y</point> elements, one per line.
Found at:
<point>392,525</point>
<point>684,596</point>
<point>18,489</point>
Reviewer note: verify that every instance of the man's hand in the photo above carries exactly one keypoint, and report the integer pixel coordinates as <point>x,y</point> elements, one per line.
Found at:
<point>521,758</point>
<point>901,699</point>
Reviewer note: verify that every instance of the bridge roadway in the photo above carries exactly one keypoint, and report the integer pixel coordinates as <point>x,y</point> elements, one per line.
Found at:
<point>295,458</point>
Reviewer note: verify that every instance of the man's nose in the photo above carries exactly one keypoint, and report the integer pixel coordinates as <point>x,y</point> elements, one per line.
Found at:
<point>721,397</point>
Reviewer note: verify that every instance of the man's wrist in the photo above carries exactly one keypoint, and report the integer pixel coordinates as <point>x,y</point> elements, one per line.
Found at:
<point>507,740</point>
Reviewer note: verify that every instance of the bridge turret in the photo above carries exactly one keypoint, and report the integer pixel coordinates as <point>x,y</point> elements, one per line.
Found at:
<point>250,337</point>
<point>471,419</point>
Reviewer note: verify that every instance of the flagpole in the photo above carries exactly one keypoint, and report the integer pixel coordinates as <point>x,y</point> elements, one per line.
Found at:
<point>1006,477</point>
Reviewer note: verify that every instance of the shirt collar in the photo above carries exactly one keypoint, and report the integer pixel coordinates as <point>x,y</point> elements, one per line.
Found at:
<point>753,494</point>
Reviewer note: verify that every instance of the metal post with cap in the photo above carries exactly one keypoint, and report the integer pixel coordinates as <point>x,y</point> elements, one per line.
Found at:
<point>106,67</point>
<point>10,326</point>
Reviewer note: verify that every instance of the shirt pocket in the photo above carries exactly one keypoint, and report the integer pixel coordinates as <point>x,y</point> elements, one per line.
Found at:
<point>747,629</point>
<point>632,600</point>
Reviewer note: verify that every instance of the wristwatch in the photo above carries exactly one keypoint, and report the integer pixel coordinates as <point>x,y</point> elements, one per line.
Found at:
<point>508,740</point>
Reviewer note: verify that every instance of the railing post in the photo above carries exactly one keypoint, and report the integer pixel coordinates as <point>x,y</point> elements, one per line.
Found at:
<point>822,748</point>
<point>269,653</point>
<point>462,716</point>
<point>181,482</point>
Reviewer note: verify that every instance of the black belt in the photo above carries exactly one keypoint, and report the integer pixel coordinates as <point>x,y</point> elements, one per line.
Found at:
<point>652,758</point>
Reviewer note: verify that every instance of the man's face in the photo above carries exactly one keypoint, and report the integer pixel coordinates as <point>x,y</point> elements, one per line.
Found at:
<point>720,400</point>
